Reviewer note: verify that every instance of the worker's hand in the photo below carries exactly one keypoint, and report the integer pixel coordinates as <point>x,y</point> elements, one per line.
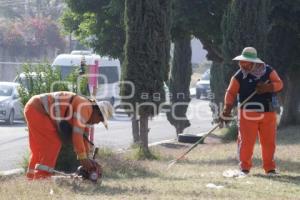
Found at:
<point>225,116</point>
<point>262,88</point>
<point>87,164</point>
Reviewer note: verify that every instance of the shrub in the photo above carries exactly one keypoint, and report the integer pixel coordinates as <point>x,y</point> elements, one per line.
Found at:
<point>232,132</point>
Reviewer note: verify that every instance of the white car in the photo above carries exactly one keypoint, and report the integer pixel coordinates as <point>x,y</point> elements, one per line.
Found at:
<point>10,104</point>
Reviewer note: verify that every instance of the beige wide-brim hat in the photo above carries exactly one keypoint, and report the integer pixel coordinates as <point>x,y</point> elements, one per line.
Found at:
<point>249,54</point>
<point>107,111</point>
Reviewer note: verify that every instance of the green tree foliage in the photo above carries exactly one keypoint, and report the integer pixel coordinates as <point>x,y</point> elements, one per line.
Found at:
<point>179,83</point>
<point>146,55</point>
<point>282,51</point>
<point>244,24</point>
<point>201,18</point>
<point>98,24</point>
<point>180,75</point>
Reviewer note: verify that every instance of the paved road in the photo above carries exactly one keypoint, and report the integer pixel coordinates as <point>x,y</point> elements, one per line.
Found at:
<point>14,139</point>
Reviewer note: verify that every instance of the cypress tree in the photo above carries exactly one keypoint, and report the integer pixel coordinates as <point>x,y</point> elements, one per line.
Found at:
<point>181,69</point>
<point>244,24</point>
<point>179,83</point>
<point>202,19</point>
<point>146,58</point>
<point>283,47</point>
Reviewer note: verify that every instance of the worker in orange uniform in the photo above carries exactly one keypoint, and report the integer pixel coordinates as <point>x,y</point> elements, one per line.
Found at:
<point>257,116</point>
<point>44,113</point>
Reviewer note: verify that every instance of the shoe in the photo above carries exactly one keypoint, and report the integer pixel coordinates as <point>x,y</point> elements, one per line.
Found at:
<point>245,171</point>
<point>272,172</point>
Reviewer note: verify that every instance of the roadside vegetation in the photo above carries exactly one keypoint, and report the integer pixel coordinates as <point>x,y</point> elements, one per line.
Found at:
<point>199,176</point>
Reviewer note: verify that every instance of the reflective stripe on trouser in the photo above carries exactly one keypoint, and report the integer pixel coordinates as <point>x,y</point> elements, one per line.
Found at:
<point>252,124</point>
<point>44,142</point>
<point>44,100</point>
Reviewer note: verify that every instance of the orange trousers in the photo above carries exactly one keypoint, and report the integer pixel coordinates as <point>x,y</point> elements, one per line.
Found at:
<point>44,142</point>
<point>252,124</point>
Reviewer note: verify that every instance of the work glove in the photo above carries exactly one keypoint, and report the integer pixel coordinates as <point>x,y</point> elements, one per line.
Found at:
<point>225,116</point>
<point>262,88</point>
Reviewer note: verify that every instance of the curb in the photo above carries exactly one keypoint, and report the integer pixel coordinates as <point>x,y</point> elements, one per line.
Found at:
<point>12,172</point>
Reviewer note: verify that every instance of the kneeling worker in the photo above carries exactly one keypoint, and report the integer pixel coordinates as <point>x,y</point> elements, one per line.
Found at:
<point>45,112</point>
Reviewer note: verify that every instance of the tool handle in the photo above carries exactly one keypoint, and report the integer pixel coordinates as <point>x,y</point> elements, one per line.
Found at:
<point>50,170</point>
<point>199,141</point>
<point>87,139</point>
<point>44,168</point>
<point>95,152</point>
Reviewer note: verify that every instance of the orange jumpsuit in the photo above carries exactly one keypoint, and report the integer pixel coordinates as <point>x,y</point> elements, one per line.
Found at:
<point>44,142</point>
<point>252,122</point>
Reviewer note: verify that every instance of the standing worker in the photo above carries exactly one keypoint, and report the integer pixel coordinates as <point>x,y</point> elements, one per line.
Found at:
<point>44,115</point>
<point>258,115</point>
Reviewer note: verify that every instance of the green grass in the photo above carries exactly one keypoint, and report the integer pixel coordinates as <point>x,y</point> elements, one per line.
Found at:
<point>125,178</point>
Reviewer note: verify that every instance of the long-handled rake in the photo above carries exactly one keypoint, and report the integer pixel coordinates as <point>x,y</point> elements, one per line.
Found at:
<point>172,162</point>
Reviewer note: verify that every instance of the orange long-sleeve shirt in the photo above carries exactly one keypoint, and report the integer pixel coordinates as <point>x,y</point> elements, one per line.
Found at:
<point>82,111</point>
<point>234,87</point>
<point>79,113</point>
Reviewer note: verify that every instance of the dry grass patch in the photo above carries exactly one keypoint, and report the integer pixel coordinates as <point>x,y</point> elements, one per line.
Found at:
<point>125,178</point>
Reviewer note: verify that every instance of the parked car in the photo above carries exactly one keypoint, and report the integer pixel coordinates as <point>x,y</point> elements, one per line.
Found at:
<point>203,85</point>
<point>10,104</point>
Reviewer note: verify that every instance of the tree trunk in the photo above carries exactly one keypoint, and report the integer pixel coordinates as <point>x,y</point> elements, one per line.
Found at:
<point>135,129</point>
<point>144,130</point>
<point>218,86</point>
<point>146,56</point>
<point>291,106</point>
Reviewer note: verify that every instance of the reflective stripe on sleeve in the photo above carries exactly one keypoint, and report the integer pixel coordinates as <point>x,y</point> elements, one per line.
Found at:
<point>44,99</point>
<point>79,117</point>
